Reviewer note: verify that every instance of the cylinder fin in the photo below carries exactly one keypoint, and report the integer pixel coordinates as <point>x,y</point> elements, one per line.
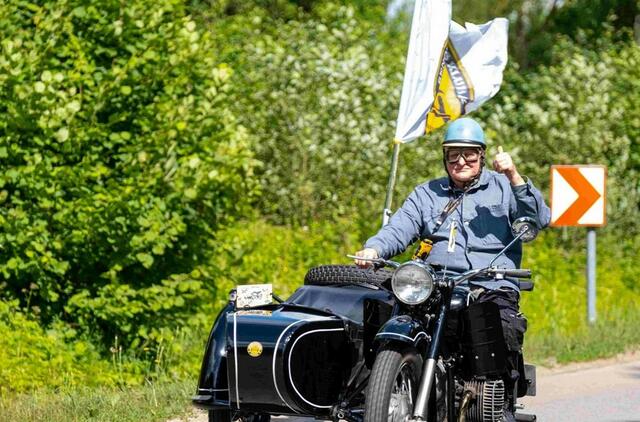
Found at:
<point>489,400</point>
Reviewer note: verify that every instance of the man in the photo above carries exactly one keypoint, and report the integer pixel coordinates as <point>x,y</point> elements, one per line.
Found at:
<point>490,201</point>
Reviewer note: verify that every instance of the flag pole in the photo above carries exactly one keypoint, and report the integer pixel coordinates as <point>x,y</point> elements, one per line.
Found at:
<point>386,213</point>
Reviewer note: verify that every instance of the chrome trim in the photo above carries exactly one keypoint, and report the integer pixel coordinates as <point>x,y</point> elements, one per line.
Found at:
<point>422,399</point>
<point>291,353</point>
<point>212,390</point>
<point>235,355</point>
<point>427,268</point>
<point>402,336</point>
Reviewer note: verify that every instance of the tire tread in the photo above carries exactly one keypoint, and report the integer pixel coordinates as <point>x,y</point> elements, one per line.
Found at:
<point>386,367</point>
<point>346,274</point>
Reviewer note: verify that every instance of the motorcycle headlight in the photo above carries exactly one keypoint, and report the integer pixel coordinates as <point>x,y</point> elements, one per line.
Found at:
<point>412,283</point>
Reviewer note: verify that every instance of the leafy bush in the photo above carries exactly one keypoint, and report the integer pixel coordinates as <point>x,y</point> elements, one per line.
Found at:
<point>31,357</point>
<point>267,253</point>
<point>319,98</point>
<point>582,21</point>
<point>121,159</point>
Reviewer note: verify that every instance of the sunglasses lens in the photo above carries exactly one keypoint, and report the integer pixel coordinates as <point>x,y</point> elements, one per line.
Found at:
<point>452,159</point>
<point>470,156</point>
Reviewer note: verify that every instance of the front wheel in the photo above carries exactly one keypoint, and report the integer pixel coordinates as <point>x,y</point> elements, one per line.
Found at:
<point>393,385</point>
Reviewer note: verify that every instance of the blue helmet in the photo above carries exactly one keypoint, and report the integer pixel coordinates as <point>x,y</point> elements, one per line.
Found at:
<point>464,132</point>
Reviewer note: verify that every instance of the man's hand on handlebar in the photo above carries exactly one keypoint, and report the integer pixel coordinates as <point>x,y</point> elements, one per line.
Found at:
<point>366,253</point>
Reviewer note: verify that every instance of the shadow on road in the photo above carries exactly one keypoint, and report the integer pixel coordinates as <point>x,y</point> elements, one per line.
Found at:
<point>634,372</point>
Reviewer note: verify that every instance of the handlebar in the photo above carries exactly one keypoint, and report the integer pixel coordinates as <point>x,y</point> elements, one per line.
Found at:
<point>512,272</point>
<point>469,275</point>
<point>494,272</point>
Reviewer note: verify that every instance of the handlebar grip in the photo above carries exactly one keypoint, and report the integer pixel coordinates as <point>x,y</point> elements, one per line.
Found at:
<point>517,273</point>
<point>526,286</point>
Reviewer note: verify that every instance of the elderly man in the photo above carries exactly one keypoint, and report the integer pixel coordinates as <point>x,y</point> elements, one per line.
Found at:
<point>490,201</point>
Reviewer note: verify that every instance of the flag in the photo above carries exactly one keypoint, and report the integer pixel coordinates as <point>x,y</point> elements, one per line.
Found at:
<point>471,70</point>
<point>469,62</point>
<point>429,31</point>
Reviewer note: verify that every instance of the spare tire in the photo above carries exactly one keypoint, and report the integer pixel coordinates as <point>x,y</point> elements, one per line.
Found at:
<point>345,274</point>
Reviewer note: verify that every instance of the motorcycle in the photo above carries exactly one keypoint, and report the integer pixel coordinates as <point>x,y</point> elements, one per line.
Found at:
<point>365,345</point>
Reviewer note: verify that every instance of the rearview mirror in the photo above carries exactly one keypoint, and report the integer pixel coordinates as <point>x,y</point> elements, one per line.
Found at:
<point>526,228</point>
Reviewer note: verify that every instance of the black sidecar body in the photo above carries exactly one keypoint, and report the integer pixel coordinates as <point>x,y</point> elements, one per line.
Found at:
<point>304,356</point>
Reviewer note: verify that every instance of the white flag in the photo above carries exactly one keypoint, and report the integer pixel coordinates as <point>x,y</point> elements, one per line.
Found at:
<point>429,31</point>
<point>471,72</point>
<point>470,63</point>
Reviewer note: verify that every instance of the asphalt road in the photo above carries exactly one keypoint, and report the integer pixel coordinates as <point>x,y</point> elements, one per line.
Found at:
<point>602,391</point>
<point>605,391</point>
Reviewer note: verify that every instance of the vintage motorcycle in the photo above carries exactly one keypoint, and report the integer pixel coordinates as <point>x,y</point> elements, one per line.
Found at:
<point>364,345</point>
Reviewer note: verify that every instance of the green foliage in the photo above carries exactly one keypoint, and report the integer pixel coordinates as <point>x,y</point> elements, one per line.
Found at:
<point>583,21</point>
<point>59,358</point>
<point>121,158</point>
<point>31,357</point>
<point>536,25</point>
<point>280,9</point>
<point>319,98</point>
<point>267,253</point>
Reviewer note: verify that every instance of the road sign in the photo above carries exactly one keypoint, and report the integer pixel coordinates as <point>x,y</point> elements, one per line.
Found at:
<point>578,195</point>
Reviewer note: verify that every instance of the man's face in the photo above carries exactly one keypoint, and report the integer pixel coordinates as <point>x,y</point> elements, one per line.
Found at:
<point>463,163</point>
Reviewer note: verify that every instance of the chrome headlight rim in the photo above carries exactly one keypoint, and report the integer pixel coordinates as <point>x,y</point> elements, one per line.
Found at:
<point>425,284</point>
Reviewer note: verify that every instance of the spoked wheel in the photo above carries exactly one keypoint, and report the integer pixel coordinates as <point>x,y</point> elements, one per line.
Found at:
<point>393,386</point>
<point>228,416</point>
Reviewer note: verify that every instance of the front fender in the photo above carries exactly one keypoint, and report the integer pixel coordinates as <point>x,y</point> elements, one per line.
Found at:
<point>404,329</point>
<point>213,388</point>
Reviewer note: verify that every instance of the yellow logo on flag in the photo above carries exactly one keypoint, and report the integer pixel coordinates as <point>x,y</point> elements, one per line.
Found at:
<point>453,91</point>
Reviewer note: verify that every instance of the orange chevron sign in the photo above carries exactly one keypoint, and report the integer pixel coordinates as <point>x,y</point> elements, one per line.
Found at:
<point>578,195</point>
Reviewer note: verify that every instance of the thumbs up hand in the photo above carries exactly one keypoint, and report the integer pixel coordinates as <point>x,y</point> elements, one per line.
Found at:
<point>503,163</point>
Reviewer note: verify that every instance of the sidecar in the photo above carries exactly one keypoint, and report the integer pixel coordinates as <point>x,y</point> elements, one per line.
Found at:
<point>309,355</point>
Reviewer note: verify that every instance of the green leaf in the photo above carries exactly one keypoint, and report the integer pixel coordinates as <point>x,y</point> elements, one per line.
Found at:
<point>145,259</point>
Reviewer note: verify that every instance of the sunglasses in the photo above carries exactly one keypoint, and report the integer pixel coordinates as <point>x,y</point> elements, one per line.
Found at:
<point>471,155</point>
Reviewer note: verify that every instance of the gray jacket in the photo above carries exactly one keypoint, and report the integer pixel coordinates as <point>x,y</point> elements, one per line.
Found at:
<point>483,219</point>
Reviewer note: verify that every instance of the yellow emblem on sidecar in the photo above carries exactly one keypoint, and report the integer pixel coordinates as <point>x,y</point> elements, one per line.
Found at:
<point>254,349</point>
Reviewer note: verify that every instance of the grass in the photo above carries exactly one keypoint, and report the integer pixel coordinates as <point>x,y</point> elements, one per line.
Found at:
<point>604,339</point>
<point>151,402</point>
<point>557,308</point>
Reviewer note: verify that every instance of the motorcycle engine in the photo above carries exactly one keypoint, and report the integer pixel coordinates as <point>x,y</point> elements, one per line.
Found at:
<point>489,400</point>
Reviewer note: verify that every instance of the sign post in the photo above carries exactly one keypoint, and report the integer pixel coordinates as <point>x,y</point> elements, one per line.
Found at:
<point>591,275</point>
<point>578,199</point>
